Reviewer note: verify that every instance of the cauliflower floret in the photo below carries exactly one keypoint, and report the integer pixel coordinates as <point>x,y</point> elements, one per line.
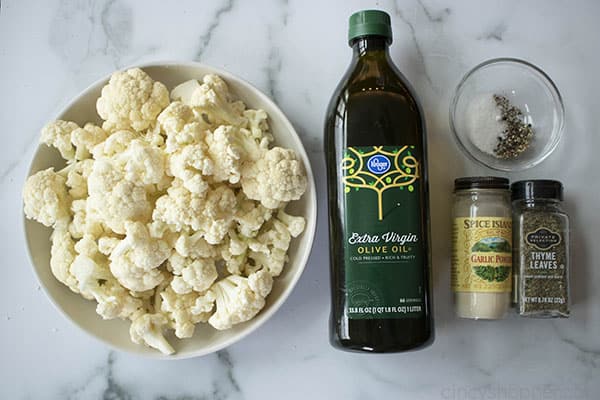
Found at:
<point>85,139</point>
<point>210,215</point>
<point>250,216</point>
<point>191,274</point>
<point>135,260</point>
<point>295,225</point>
<point>142,163</point>
<point>183,92</point>
<point>107,244</point>
<point>82,223</point>
<point>160,230</point>
<point>114,301</point>
<point>96,282</point>
<point>200,274</point>
<point>273,261</point>
<point>62,254</point>
<point>239,299</point>
<point>154,137</point>
<point>261,283</point>
<point>181,126</point>
<point>217,214</point>
<point>131,100</point>
<point>46,199</point>
<point>258,127</point>
<point>235,264</point>
<point>87,267</point>
<point>147,329</point>
<point>115,200</point>
<point>115,144</point>
<point>194,246</point>
<point>141,249</point>
<point>189,164</point>
<point>186,310</point>
<point>180,286</point>
<point>213,99</point>
<point>77,175</point>
<point>176,263</point>
<point>179,208</point>
<point>275,179</point>
<point>133,277</point>
<point>229,147</point>
<point>77,226</point>
<point>237,244</point>
<point>58,134</point>
<point>270,247</point>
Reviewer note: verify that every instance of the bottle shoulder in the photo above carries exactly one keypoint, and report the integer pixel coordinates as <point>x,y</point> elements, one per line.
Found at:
<point>364,76</point>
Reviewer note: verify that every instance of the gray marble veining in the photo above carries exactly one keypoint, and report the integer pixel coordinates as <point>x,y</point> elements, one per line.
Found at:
<point>296,52</point>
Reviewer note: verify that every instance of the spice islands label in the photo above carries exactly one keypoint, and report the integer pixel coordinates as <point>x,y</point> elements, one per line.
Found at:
<point>383,246</point>
<point>482,258</point>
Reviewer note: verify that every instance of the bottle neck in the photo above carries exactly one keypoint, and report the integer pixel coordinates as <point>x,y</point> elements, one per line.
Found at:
<point>548,204</point>
<point>370,47</point>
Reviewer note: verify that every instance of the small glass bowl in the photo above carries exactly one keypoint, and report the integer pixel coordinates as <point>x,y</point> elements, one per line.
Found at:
<point>526,87</point>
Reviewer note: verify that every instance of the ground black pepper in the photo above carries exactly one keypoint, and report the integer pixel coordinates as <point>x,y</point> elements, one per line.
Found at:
<point>517,136</point>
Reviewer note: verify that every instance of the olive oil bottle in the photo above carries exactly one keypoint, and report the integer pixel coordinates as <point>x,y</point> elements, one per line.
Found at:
<point>376,159</point>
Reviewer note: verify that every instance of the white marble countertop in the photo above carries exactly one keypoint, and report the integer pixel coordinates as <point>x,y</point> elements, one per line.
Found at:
<point>296,52</point>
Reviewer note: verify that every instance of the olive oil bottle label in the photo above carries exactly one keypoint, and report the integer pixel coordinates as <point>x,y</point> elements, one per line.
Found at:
<point>482,257</point>
<point>384,259</point>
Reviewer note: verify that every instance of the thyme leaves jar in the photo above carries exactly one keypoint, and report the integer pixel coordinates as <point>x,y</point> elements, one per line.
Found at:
<point>541,240</point>
<point>482,247</point>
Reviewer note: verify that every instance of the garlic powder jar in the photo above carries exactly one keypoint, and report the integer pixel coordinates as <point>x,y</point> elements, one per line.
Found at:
<point>482,247</point>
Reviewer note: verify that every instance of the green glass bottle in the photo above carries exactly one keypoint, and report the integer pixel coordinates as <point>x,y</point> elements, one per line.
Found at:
<point>376,159</point>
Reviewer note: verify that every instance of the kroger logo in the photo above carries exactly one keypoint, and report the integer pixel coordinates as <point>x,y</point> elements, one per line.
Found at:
<point>379,164</point>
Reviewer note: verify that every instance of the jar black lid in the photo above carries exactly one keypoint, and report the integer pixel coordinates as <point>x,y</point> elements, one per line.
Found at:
<point>480,182</point>
<point>537,189</point>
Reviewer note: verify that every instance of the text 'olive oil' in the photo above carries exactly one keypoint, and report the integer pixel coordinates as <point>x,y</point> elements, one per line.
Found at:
<point>378,201</point>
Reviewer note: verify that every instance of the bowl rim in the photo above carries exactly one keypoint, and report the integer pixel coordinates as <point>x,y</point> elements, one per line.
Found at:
<point>555,94</point>
<point>310,229</point>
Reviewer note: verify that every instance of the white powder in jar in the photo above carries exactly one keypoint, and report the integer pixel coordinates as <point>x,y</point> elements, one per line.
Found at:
<point>484,123</point>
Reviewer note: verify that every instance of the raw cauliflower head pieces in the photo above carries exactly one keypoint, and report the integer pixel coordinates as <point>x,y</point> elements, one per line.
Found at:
<point>239,299</point>
<point>229,147</point>
<point>46,199</point>
<point>147,329</point>
<point>85,139</point>
<point>114,199</point>
<point>57,134</point>
<point>135,261</point>
<point>213,100</point>
<point>77,176</point>
<point>131,100</point>
<point>140,248</point>
<point>275,179</point>
<point>134,278</point>
<point>142,163</point>
<point>186,310</point>
<point>62,254</point>
<point>180,208</point>
<point>190,164</point>
<point>181,126</point>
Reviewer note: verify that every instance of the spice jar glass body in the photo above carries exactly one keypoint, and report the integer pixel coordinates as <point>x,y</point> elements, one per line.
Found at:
<point>482,251</point>
<point>541,258</point>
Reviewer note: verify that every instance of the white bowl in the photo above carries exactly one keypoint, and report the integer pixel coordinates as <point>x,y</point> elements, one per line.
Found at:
<point>115,333</point>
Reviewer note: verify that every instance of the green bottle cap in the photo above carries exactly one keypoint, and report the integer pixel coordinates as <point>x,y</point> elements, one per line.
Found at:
<point>370,22</point>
